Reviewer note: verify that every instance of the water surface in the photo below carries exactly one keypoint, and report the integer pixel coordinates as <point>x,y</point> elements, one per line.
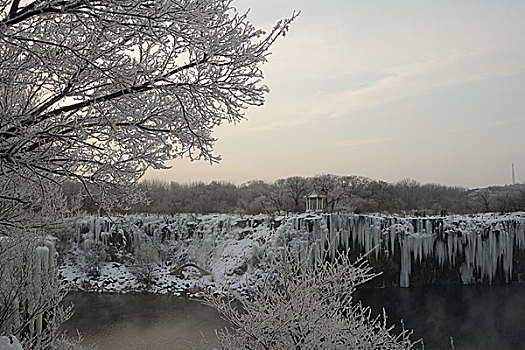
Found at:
<point>475,317</point>
<point>142,321</point>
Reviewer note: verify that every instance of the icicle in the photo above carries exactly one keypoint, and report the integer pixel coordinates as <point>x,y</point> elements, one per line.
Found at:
<point>393,236</point>
<point>439,253</point>
<point>96,233</point>
<point>467,274</point>
<point>428,226</point>
<point>105,237</point>
<point>520,235</point>
<point>39,279</point>
<point>42,254</point>
<point>345,236</point>
<point>428,247</point>
<point>451,257</point>
<point>507,255</point>
<point>406,266</point>
<point>375,233</point>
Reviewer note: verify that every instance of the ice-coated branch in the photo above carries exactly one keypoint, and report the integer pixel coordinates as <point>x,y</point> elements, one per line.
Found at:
<point>103,90</point>
<point>302,306</point>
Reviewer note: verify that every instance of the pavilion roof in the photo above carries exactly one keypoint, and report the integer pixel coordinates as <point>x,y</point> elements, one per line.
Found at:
<point>315,194</point>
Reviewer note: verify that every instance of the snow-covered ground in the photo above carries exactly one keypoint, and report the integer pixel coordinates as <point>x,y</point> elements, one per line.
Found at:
<point>9,343</point>
<point>200,253</point>
<point>117,278</point>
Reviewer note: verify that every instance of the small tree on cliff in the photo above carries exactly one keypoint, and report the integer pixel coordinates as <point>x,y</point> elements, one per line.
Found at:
<point>146,258</point>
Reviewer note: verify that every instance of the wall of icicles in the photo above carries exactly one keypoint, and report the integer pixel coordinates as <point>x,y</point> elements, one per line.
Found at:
<point>461,249</point>
<point>424,250</point>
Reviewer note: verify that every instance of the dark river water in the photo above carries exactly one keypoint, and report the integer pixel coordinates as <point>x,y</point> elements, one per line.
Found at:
<point>475,317</point>
<point>143,322</point>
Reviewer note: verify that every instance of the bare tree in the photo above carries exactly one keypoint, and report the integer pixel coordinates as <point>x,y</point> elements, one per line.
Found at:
<point>278,196</point>
<point>481,200</point>
<point>407,192</point>
<point>295,187</point>
<point>300,307</point>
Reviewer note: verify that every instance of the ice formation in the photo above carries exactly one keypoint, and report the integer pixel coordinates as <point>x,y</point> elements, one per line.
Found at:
<point>223,245</point>
<point>480,244</point>
<point>478,247</point>
<point>37,258</point>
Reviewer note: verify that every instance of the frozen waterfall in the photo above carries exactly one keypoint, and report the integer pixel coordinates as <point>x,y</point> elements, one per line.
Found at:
<point>480,245</point>
<point>471,249</point>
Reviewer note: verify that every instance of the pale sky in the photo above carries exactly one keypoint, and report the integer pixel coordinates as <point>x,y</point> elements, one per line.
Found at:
<point>429,90</point>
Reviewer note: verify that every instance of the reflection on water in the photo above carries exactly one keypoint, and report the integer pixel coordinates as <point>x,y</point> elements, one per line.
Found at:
<point>476,318</point>
<point>140,321</point>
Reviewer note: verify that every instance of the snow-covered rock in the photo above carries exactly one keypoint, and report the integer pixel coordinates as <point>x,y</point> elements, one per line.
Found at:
<point>10,342</point>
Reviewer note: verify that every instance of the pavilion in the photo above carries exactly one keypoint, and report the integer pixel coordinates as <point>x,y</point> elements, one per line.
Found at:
<point>315,200</point>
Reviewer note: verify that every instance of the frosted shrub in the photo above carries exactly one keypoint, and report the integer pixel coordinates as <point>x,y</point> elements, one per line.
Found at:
<point>94,255</point>
<point>301,307</point>
<point>146,259</point>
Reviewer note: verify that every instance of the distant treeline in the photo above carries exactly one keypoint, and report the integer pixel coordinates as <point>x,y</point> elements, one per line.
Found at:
<point>355,194</point>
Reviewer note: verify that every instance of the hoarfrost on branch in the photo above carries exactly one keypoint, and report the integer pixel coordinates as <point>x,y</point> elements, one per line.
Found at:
<point>99,91</point>
<point>303,306</point>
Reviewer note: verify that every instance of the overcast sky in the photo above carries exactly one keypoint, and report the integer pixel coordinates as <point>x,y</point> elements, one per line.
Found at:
<point>430,90</point>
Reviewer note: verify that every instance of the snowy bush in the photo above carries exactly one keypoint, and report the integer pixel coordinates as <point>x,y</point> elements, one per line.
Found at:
<point>94,255</point>
<point>297,306</point>
<point>146,258</point>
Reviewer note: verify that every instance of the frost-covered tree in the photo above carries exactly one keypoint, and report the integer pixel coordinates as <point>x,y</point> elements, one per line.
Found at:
<point>98,91</point>
<point>294,188</point>
<point>297,306</point>
<point>30,297</point>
